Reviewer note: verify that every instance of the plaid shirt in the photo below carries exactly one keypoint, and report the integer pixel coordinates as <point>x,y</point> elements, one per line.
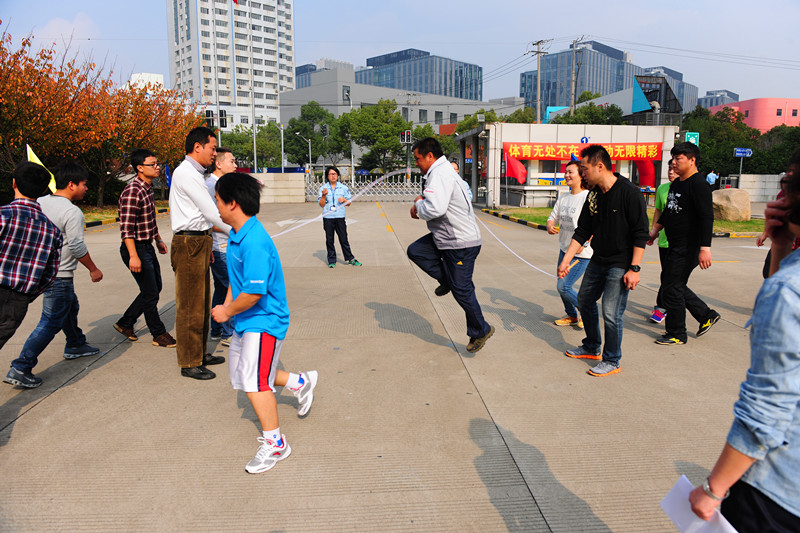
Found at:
<point>30,248</point>
<point>137,211</point>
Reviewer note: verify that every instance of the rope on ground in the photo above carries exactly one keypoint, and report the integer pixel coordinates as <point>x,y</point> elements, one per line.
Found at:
<point>515,254</point>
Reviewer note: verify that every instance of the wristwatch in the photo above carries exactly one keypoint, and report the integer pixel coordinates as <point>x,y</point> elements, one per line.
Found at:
<point>634,268</point>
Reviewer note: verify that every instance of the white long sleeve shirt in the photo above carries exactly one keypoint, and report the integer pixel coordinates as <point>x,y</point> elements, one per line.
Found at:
<point>190,206</point>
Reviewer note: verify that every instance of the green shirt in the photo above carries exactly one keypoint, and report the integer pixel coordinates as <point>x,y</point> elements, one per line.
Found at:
<point>661,202</point>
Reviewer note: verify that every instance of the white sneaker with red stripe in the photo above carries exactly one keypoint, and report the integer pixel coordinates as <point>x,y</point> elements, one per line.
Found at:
<point>268,454</point>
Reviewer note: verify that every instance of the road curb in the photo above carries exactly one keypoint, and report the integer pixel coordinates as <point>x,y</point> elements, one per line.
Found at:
<point>95,223</point>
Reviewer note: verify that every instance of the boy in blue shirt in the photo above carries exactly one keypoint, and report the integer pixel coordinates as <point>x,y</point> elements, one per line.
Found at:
<point>256,302</point>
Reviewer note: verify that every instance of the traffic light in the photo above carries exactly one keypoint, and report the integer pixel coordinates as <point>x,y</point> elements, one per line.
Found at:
<point>223,120</point>
<point>324,130</point>
<point>210,119</point>
<point>405,137</point>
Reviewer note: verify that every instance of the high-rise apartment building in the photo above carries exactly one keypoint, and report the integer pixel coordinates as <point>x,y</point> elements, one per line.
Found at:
<point>419,71</point>
<point>234,56</point>
<point>598,68</point>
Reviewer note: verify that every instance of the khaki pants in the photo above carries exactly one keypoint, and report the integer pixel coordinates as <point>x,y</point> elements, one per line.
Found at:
<point>190,257</point>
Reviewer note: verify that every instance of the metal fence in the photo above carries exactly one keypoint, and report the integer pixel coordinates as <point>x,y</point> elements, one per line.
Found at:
<point>392,189</point>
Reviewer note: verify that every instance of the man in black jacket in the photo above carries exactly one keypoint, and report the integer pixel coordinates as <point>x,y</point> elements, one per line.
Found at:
<point>615,218</point>
<point>688,219</point>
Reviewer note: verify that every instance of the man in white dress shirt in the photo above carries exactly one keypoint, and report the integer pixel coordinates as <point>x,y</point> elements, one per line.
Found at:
<point>193,215</point>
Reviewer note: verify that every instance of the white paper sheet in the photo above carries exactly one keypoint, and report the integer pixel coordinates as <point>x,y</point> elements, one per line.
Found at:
<point>676,505</point>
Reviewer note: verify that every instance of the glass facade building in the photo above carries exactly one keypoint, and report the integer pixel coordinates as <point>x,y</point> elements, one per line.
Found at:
<point>232,57</point>
<point>419,71</point>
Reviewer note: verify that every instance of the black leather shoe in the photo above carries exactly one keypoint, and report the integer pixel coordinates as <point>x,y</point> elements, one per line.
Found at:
<point>197,372</point>
<point>209,359</point>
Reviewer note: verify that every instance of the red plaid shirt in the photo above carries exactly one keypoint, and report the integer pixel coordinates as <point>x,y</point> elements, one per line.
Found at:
<point>30,247</point>
<point>137,211</point>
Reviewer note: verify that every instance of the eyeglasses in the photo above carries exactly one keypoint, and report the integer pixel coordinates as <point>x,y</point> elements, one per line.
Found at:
<point>151,164</point>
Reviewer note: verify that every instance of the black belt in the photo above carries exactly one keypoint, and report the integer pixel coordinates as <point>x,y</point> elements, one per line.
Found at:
<point>193,232</point>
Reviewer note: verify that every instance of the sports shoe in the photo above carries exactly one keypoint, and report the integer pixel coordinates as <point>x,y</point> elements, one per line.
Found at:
<point>603,369</point>
<point>80,351</point>
<point>657,316</point>
<point>582,353</point>
<point>354,262</point>
<point>226,341</point>
<point>22,379</point>
<point>331,265</point>
<point>667,340</point>
<point>210,359</point>
<point>198,372</point>
<point>268,455</point>
<point>165,340</point>
<point>476,344</point>
<point>305,394</point>
<point>709,321</point>
<point>568,321</point>
<point>215,336</point>
<point>128,332</point>
<point>441,290</point>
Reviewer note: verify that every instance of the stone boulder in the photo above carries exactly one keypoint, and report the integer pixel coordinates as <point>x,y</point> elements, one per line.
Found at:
<point>731,204</point>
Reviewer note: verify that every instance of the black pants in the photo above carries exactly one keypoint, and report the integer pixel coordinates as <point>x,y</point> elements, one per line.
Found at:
<point>340,227</point>
<point>677,297</point>
<point>13,308</point>
<point>149,281</point>
<point>750,511</point>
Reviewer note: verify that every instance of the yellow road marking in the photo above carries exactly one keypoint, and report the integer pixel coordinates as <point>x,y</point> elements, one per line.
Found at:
<point>496,224</point>
<point>389,228</point>
<point>379,205</point>
<point>383,215</point>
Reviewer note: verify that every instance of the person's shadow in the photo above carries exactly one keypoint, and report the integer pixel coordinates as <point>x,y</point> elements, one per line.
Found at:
<point>507,462</point>
<point>402,320</point>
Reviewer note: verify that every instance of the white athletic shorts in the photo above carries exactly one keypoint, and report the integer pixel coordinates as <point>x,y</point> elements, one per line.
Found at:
<point>253,361</point>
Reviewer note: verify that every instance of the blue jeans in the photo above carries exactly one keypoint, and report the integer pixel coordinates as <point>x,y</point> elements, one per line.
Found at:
<point>219,269</point>
<point>564,285</point>
<point>606,282</point>
<point>59,313</point>
<point>452,268</point>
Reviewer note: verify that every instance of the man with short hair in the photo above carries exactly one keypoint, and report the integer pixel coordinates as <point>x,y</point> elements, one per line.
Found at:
<point>223,164</point>
<point>688,219</point>
<point>193,216</point>
<point>60,304</point>
<point>138,228</point>
<point>615,218</point>
<point>30,251</point>
<point>448,252</point>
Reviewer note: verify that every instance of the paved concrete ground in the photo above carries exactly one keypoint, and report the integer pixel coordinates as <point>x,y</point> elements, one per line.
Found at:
<point>408,431</point>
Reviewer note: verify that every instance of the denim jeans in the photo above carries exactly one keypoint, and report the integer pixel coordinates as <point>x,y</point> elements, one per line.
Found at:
<point>149,282</point>
<point>564,285</point>
<point>452,268</point>
<point>191,256</point>
<point>59,313</point>
<point>606,282</point>
<point>13,308</point>
<point>219,269</point>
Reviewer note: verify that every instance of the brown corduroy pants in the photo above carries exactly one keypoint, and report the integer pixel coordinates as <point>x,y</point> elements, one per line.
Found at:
<point>191,256</point>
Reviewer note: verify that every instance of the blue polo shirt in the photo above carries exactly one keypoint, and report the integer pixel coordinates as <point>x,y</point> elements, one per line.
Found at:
<point>255,268</point>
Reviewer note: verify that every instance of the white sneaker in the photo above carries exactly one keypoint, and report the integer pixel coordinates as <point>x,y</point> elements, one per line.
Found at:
<point>268,455</point>
<point>305,394</point>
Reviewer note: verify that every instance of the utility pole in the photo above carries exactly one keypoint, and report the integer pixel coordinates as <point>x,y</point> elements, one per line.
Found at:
<point>572,82</point>
<point>538,44</point>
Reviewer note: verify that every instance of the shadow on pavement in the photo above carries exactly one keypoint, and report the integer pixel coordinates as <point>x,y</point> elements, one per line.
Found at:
<point>507,461</point>
<point>402,320</point>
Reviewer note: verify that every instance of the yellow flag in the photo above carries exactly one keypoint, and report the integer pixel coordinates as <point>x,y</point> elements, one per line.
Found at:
<point>33,159</point>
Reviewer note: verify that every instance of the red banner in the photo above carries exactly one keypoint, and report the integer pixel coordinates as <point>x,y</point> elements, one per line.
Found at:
<point>562,151</point>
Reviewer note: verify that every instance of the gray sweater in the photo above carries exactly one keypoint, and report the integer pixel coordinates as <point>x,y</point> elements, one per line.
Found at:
<point>69,219</point>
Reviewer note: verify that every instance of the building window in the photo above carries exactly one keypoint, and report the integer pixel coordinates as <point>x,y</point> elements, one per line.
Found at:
<point>780,112</point>
<point>746,113</point>
<point>423,116</point>
<point>439,117</point>
<point>244,120</point>
<point>453,118</point>
<point>794,112</point>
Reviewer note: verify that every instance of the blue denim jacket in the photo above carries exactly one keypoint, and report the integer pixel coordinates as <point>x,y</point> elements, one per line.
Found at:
<point>766,422</point>
<point>332,200</point>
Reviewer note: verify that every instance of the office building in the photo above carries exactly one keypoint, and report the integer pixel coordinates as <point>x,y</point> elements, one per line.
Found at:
<point>718,97</point>
<point>419,71</point>
<point>598,68</point>
<point>235,58</point>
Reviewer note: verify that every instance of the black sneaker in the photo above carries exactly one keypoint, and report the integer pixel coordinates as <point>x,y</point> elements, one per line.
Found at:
<point>710,320</point>
<point>198,372</point>
<point>22,379</point>
<point>667,340</point>
<point>209,359</point>
<point>441,290</point>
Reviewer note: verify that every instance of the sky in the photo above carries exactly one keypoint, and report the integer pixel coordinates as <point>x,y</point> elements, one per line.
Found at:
<point>745,47</point>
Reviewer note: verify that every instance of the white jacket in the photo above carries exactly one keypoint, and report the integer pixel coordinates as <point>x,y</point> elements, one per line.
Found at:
<point>446,208</point>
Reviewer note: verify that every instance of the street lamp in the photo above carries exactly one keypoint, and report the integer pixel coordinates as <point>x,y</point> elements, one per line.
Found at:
<point>309,149</point>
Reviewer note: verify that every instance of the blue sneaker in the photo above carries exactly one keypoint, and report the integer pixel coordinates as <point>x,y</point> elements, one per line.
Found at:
<point>80,351</point>
<point>22,379</point>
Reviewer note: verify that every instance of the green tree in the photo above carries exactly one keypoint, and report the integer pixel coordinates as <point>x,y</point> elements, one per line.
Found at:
<point>448,142</point>
<point>268,145</point>
<point>719,135</point>
<point>585,96</point>
<point>526,115</point>
<point>312,117</point>
<point>591,114</point>
<point>471,121</point>
<point>774,149</point>
<point>378,128</point>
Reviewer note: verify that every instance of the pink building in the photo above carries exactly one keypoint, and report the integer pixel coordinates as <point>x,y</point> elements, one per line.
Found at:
<point>766,113</point>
